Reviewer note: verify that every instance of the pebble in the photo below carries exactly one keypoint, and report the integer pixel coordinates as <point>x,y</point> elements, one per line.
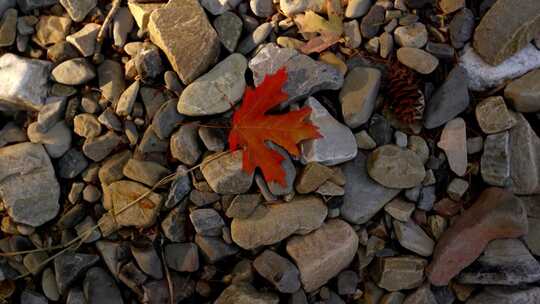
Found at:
<point>218,7</point>
<point>91,193</point>
<point>110,120</point>
<point>278,270</point>
<point>173,225</point>
<point>461,28</point>
<point>48,284</point>
<point>242,206</point>
<point>23,82</point>
<point>413,238</point>
<point>395,167</point>
<point>269,225</point>
<point>7,5</point>
<point>212,138</point>
<point>127,99</point>
<point>229,29</point>
<point>98,148</point>
<point>11,133</point>
<point>32,297</point>
<point>457,188</point>
<point>357,8</point>
<point>483,76</point>
<point>245,294</point>
<point>141,13</point>
<point>450,6</point>
<point>51,30</point>
<point>418,60</point>
<point>225,175</point>
<point>372,21</point>
<point>29,188</point>
<point>495,214</point>
<point>422,295</point>
<point>475,144</point>
<point>122,23</point>
<point>411,36</point>
<point>78,10</point>
<point>8,27</point>
<point>99,288</point>
<point>359,94</point>
<point>185,144</point>
<point>387,45</point>
<point>364,141</point>
<point>180,187</point>
<point>61,52</point>
<point>500,295</point>
<point>57,140</point>
<point>337,144</point>
<point>399,273</point>
<point>51,113</point>
<point>334,241</point>
<point>147,259</point>
<point>194,52</point>
<point>312,177</point>
<point>216,91</point>
<point>207,222</point>
<point>255,38</point>
<point>493,115</point>
<point>111,80</point>
<point>353,37</point>
<point>524,92</point>
<point>85,39</point>
<point>214,249</point>
<point>363,196</point>
<point>262,8</point>
<point>70,266</point>
<point>182,257</point>
<point>400,209</point>
<point>442,51</point>
<point>454,144</point>
<point>449,100</point>
<point>496,41</point>
<point>86,125</point>
<point>524,158</point>
<point>317,76</point>
<point>146,172</point>
<point>111,169</point>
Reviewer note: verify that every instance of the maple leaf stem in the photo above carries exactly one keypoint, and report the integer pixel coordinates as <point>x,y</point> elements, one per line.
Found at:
<point>212,126</point>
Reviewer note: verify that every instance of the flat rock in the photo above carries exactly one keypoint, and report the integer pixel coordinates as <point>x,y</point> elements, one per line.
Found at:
<point>23,82</point>
<point>506,28</point>
<point>412,237</point>
<point>216,91</point>
<point>8,27</point>
<point>111,80</point>
<point>51,30</point>
<point>524,158</point>
<point>70,266</point>
<point>229,29</point>
<point>182,256</point>
<point>449,100</point>
<point>57,140</point>
<point>454,143</point>
<point>461,27</point>
<point>193,52</point>
<point>395,167</point>
<point>398,273</point>
<point>166,119</point>
<point>120,194</point>
<point>418,60</point>
<point>493,115</point>
<point>524,92</point>
<point>141,13</point>
<point>269,225</point>
<point>185,145</point>
<point>85,39</point>
<point>483,76</point>
<point>78,9</point>
<point>100,288</point>
<point>28,185</point>
<point>97,148</point>
<point>322,254</point>
<point>245,294</point>
<point>225,175</point>
<point>504,262</point>
<point>281,272</point>
<point>305,75</point>
<point>363,197</point>
<point>292,7</point>
<point>495,214</point>
<point>358,95</point>
<point>414,35</point>
<point>337,144</point>
<point>73,72</point>
<point>495,161</point>
<point>504,295</point>
<point>146,172</point>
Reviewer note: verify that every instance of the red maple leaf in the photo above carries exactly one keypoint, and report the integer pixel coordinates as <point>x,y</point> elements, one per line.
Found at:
<point>252,128</point>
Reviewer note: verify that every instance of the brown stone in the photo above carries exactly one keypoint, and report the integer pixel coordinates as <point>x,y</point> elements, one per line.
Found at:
<point>182,30</point>
<point>397,273</point>
<point>495,214</point>
<point>312,177</point>
<point>51,30</point>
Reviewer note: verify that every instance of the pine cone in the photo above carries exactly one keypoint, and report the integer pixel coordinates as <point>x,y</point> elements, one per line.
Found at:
<point>404,99</point>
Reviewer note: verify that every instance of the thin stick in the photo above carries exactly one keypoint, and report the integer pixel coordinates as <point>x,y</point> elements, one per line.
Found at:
<point>101,34</point>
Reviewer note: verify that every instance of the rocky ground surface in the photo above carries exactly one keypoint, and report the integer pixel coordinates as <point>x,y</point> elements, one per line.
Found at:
<point>424,189</point>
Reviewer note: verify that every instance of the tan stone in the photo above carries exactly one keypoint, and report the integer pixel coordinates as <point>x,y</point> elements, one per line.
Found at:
<point>141,13</point>
<point>493,116</point>
<point>397,273</point>
<point>454,143</point>
<point>51,30</point>
<point>312,177</point>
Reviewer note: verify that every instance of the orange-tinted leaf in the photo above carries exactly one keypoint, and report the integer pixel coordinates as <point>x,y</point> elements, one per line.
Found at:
<point>252,128</point>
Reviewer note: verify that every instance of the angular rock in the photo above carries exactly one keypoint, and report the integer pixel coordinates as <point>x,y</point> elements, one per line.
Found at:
<point>282,273</point>
<point>141,13</point>
<point>23,82</point>
<point>495,214</point>
<point>524,92</point>
<point>229,29</point>
<point>493,116</point>
<point>496,41</point>
<point>504,295</point>
<point>495,161</point>
<point>245,294</point>
<point>166,119</point>
<point>269,225</point>
<point>454,143</point>
<point>51,30</point>
<point>395,167</point>
<point>182,257</point>
<point>358,95</point>
<point>111,80</point>
<point>461,27</point>
<point>418,60</point>
<point>51,113</point>
<point>413,36</point>
<point>85,39</point>
<point>322,254</point>
<point>146,172</point>
<point>207,221</point>
<point>99,288</point>
<point>398,273</point>
<point>78,9</point>
<point>73,72</point>
<point>28,185</point>
<point>216,91</point>
<point>336,144</point>
<point>8,27</point>
<point>524,158</point>
<point>185,144</point>
<point>111,169</point>
<point>449,100</point>
<point>214,249</point>
<point>412,237</point>
<point>193,52</point>
<point>86,125</point>
<point>98,148</point>
<point>225,175</point>
<point>127,99</point>
<point>69,266</point>
<point>305,76</point>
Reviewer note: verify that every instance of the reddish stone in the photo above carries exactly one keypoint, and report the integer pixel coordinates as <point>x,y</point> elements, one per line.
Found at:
<point>447,207</point>
<point>495,214</point>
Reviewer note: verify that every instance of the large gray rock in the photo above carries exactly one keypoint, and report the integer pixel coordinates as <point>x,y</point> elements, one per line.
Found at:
<point>305,75</point>
<point>216,91</point>
<point>336,144</point>
<point>28,185</point>
<point>363,196</point>
<point>23,82</point>
<point>269,225</point>
<point>506,28</point>
<point>196,49</point>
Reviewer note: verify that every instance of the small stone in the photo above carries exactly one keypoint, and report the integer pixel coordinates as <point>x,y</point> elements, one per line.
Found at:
<point>110,120</point>
<point>98,148</point>
<point>182,257</point>
<point>245,294</point>
<point>312,177</point>
<point>91,193</point>
<point>461,28</point>
<point>8,27</point>
<point>398,273</point>
<point>500,295</point>
<point>212,138</point>
<point>173,225</point>
<point>372,46</point>
<point>400,209</point>
<point>255,38</point>
<point>180,187</point>
<point>11,133</point>
<point>218,7</point>
<point>454,143</point>
<point>262,8</point>
<point>99,287</point>
<point>412,36</point>
<point>395,167</point>
<point>85,39</point>
<point>442,51</point>
<point>225,175</point>
<point>364,141</point>
<point>78,10</point>
<point>395,297</point>
<point>207,222</point>
<point>150,142</point>
<point>457,188</point>
<point>146,172</point>
<point>86,230</point>
<point>86,125</point>
<point>495,214</point>
<point>141,13</point>
<point>524,158</point>
<point>357,8</point>
<point>493,116</point>
<point>111,80</point>
<point>413,238</point>
<point>372,21</point>
<point>122,24</point>
<point>347,282</point>
<point>281,272</point>
<point>229,29</point>
<point>450,6</point>
<point>48,284</point>
<point>61,52</point>
<point>449,100</point>
<point>353,37</point>
<point>111,169</point>
<point>243,205</point>
<point>57,140</point>
<point>148,259</point>
<point>422,295</point>
<point>337,144</point>
<point>185,144</point>
<point>269,225</point>
<point>427,198</point>
<point>335,241</point>
<point>358,95</point>
<point>216,91</point>
<point>317,76</point>
<point>214,249</point>
<point>292,7</point>
<point>189,54</point>
<point>127,99</point>
<point>32,297</point>
<point>418,60</point>
<point>524,92</point>
<point>51,30</point>
<point>387,44</point>
<point>69,266</point>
